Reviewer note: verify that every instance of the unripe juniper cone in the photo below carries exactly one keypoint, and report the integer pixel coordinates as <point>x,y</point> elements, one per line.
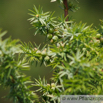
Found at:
<point>98,36</point>
<point>43,52</point>
<point>49,36</point>
<point>55,38</point>
<point>51,30</point>
<point>38,52</point>
<point>47,58</point>
<point>101,40</point>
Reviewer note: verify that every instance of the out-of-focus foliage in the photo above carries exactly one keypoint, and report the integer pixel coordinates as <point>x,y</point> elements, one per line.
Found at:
<point>71,5</point>
<point>10,71</point>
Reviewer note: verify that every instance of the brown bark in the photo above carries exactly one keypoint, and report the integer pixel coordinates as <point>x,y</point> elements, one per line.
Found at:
<point>65,9</point>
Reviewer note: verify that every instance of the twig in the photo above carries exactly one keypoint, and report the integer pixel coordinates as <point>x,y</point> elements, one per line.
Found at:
<point>65,9</point>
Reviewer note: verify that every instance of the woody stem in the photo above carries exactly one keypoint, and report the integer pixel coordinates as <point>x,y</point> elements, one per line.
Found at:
<point>65,9</point>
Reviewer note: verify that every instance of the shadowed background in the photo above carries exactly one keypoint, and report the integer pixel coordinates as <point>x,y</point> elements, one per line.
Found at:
<point>14,15</point>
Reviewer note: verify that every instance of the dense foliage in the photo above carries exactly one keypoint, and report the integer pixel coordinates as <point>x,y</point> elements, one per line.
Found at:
<point>73,51</point>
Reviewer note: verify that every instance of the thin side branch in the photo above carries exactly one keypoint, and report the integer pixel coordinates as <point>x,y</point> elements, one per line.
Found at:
<point>65,9</point>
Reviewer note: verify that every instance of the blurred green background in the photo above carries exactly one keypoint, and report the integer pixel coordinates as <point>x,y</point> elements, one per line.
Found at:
<point>14,15</point>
